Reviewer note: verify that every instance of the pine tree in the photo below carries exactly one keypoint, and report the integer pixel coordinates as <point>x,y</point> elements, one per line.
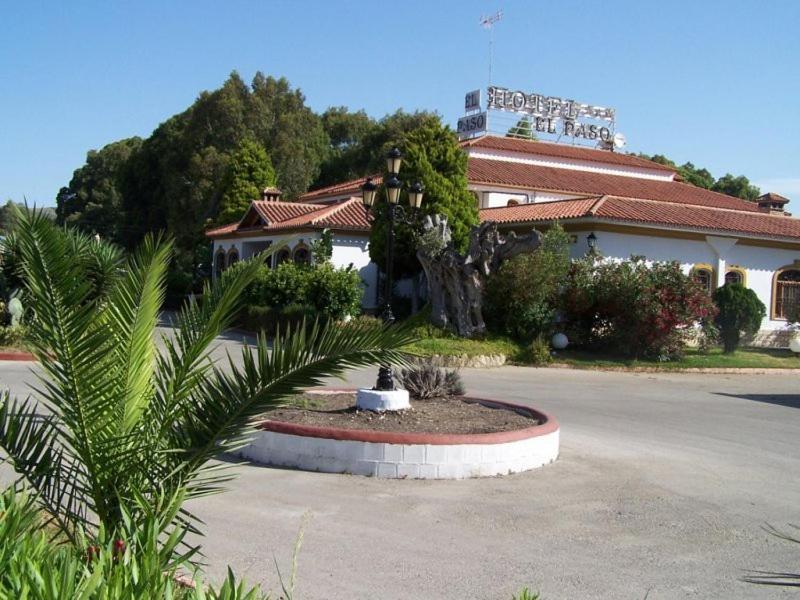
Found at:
<point>249,172</point>
<point>433,157</point>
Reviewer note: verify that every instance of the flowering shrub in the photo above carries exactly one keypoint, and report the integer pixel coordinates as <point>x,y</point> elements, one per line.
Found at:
<point>632,307</point>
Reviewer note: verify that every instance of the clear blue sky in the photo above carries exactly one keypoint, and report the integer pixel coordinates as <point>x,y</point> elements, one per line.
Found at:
<point>713,82</point>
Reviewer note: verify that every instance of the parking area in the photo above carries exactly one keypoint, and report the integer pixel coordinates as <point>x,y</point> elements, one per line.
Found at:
<point>662,487</point>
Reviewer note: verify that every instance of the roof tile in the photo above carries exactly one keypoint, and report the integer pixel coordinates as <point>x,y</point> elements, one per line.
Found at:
<point>348,215</point>
<point>633,210</point>
<point>524,176</point>
<point>493,142</point>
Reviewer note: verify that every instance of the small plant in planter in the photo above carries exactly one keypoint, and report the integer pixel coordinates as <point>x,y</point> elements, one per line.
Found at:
<point>427,381</point>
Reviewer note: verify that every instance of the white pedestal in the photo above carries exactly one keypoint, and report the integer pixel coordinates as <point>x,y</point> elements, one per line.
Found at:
<point>382,400</point>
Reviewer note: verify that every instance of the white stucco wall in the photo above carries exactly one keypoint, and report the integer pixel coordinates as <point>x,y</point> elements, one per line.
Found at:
<point>758,263</point>
<point>354,250</point>
<point>492,197</point>
<point>347,250</point>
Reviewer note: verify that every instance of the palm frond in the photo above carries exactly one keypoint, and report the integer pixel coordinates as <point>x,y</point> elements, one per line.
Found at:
<point>185,363</point>
<point>227,406</point>
<point>31,442</point>
<point>132,314</point>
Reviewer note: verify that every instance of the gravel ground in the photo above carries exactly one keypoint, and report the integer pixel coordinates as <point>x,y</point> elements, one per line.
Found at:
<point>662,487</point>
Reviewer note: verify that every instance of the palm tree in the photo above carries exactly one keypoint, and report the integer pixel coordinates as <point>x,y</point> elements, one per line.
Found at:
<point>123,420</point>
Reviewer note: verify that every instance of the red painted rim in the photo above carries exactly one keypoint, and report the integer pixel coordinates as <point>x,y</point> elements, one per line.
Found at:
<point>548,425</point>
<point>21,356</point>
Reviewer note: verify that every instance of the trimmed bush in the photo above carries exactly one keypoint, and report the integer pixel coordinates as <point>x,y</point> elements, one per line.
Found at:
<point>335,293</point>
<point>323,290</point>
<point>740,313</point>
<point>268,320</point>
<point>521,296</point>
<point>633,307</point>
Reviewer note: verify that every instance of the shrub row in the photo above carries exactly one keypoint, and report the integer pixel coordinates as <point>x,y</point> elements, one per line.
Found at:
<point>289,293</point>
<point>636,308</point>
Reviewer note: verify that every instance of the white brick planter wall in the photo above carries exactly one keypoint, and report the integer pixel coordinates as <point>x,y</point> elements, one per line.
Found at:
<point>400,456</point>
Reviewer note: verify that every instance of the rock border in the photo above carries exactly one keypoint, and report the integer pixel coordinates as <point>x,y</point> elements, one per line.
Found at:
<point>464,361</point>
<point>396,455</point>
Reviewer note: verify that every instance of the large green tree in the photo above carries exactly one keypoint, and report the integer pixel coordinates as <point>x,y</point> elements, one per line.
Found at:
<point>358,143</point>
<point>736,186</point>
<point>93,199</point>
<point>176,181</point>
<point>739,187</point>
<point>433,157</point>
<point>249,172</point>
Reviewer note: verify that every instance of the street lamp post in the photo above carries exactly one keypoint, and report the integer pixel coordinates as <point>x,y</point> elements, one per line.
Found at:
<point>395,213</point>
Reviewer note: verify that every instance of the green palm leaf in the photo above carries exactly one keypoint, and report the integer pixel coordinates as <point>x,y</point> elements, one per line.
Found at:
<point>125,421</point>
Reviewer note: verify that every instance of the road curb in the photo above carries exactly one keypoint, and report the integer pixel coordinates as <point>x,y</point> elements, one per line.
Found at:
<point>17,356</point>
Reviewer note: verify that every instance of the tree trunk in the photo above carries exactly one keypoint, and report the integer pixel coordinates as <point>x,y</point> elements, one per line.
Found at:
<point>456,282</point>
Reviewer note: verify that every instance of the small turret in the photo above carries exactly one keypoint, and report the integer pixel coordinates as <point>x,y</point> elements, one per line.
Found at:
<point>773,203</point>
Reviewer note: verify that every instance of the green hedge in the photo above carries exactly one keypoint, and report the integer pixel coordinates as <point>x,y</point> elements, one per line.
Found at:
<point>289,293</point>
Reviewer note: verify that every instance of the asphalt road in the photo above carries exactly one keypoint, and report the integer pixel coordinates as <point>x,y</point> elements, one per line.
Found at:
<point>661,491</point>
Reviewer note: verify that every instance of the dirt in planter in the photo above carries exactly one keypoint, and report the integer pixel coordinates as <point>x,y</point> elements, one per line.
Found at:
<point>444,415</point>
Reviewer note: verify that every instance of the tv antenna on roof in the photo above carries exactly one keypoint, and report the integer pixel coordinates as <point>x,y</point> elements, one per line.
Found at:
<point>488,23</point>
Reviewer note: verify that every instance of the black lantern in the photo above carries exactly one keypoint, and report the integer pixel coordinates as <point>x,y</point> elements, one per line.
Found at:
<point>393,186</point>
<point>591,239</point>
<point>415,194</point>
<point>368,191</point>
<point>393,160</point>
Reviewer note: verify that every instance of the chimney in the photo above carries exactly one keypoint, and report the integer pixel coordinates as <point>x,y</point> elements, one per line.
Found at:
<point>271,194</point>
<point>773,204</point>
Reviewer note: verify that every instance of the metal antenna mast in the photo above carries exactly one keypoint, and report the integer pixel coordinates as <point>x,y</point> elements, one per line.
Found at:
<point>488,23</point>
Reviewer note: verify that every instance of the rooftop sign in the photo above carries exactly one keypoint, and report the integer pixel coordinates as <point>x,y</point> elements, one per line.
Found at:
<point>549,107</point>
<point>545,114</point>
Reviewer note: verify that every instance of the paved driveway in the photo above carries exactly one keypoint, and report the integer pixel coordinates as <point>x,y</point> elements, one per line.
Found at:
<point>663,484</point>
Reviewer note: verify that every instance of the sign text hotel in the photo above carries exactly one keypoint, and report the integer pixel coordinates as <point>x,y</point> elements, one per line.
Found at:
<point>554,115</point>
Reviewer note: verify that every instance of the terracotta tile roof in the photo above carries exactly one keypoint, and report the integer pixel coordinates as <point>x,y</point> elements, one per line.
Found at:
<point>346,187</point>
<point>631,210</point>
<point>493,142</point>
<point>348,215</point>
<point>524,176</point>
<point>542,211</point>
<point>222,230</point>
<point>273,211</point>
<point>748,222</point>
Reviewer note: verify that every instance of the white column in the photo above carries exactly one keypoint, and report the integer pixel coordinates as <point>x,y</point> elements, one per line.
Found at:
<point>720,271</point>
<point>720,245</point>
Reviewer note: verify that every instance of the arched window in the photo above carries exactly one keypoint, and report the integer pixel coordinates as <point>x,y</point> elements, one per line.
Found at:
<point>512,202</point>
<point>705,277</point>
<point>282,256</point>
<point>219,263</point>
<point>734,276</point>
<point>301,255</point>
<point>786,294</point>
<point>233,257</point>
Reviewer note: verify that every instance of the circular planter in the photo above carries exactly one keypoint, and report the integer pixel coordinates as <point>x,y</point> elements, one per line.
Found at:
<point>407,455</point>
